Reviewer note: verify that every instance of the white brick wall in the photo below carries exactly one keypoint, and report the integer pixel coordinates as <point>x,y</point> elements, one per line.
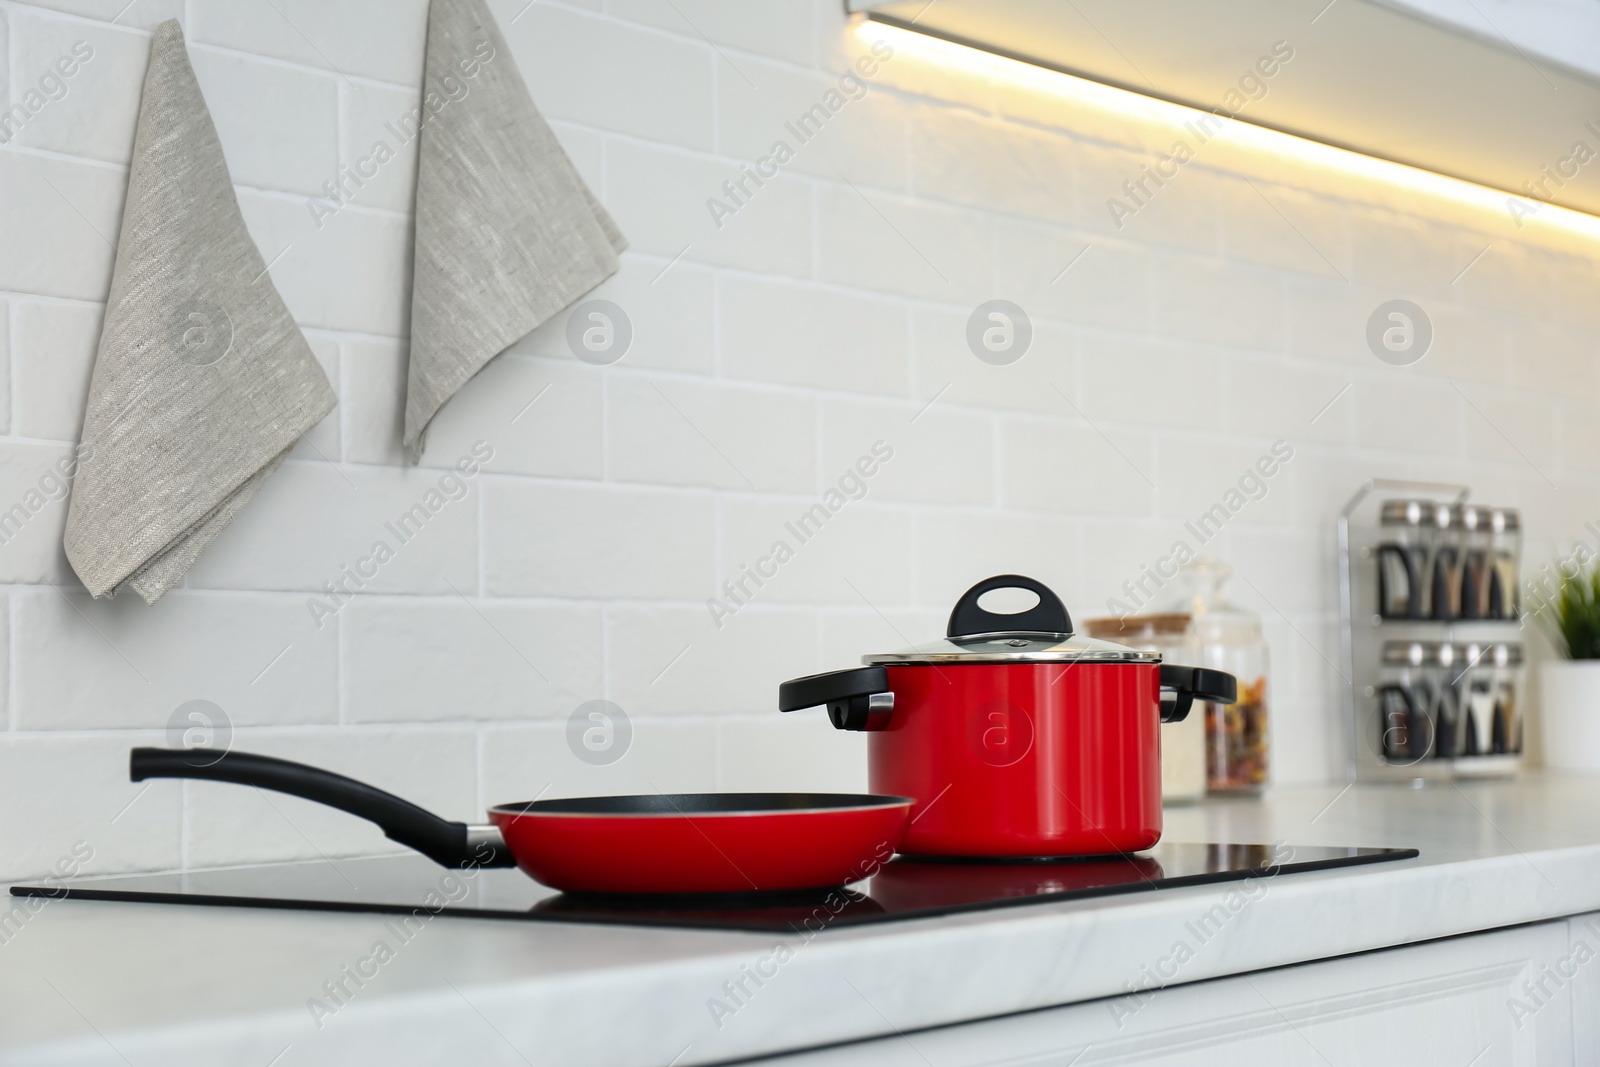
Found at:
<point>767,356</point>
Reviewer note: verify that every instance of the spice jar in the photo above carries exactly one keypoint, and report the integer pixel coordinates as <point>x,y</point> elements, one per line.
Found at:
<point>1228,638</point>
<point>1406,731</point>
<point>1405,559</point>
<point>1183,744</point>
<point>1472,525</point>
<point>1505,526</point>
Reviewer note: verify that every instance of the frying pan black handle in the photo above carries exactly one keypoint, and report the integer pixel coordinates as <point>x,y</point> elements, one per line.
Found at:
<point>1189,683</point>
<point>444,842</point>
<point>858,699</point>
<point>1048,616</point>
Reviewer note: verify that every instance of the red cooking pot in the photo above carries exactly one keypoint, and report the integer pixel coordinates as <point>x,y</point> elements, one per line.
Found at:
<point>1014,736</point>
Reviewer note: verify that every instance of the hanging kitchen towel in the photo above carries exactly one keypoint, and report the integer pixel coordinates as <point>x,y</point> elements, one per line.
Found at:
<point>507,232</point>
<point>202,382</point>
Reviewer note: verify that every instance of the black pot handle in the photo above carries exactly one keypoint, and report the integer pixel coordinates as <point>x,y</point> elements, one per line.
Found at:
<point>1191,683</point>
<point>446,843</point>
<point>1048,616</point>
<point>857,699</point>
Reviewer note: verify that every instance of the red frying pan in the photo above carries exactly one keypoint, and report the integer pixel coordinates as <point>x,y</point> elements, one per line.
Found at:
<point>666,843</point>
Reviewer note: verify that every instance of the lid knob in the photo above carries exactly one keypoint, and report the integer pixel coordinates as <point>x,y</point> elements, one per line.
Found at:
<point>1048,616</point>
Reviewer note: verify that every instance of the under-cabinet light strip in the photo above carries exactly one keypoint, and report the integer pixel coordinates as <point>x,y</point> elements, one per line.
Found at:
<point>1519,212</point>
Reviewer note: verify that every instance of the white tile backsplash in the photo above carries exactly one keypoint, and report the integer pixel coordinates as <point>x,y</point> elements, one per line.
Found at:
<point>91,111</point>
<point>800,751</point>
<point>34,513</point>
<point>533,760</point>
<point>945,372</point>
<point>541,416</point>
<point>78,795</point>
<point>607,541</point>
<point>5,72</point>
<point>1149,381</point>
<point>82,664</point>
<point>1075,468</point>
<point>370,116</point>
<point>865,140</point>
<point>850,633</point>
<point>676,432</point>
<point>779,330</point>
<point>324,441</point>
<point>957,549</point>
<point>1197,472</point>
<point>608,74</point>
<point>5,363</point>
<point>145,15</point>
<point>1230,304</point>
<point>351,273</point>
<point>678,661</point>
<point>883,241</point>
<point>51,361</point>
<point>1292,399</point>
<point>661,197</point>
<point>672,313</point>
<point>284,135</point>
<point>408,659</point>
<point>379,39</point>
<point>859,553</point>
<point>1551,359</point>
<point>934,455</point>
<point>779,28</point>
<point>1068,275</point>
<point>969,159</point>
<point>58,225</point>
<point>372,399</point>
<point>795,334</point>
<point>319,522</point>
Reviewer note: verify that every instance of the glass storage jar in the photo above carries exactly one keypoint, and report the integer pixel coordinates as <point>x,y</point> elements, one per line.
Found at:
<point>1473,530</point>
<point>1406,731</point>
<point>1228,638</point>
<point>1505,527</point>
<point>1183,744</point>
<point>1405,559</point>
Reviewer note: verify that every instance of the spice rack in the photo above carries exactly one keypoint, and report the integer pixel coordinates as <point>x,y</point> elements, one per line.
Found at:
<point>1432,635</point>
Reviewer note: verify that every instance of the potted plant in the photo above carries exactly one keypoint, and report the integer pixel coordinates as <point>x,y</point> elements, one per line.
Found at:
<point>1570,686</point>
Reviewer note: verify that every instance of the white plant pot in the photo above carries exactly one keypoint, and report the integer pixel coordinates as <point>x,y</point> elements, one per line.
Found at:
<point>1570,714</point>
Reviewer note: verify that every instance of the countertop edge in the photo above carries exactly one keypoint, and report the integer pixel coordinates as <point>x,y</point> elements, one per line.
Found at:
<point>852,984</point>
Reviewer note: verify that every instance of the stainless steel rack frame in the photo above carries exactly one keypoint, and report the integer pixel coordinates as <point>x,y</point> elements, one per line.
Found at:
<point>1364,633</point>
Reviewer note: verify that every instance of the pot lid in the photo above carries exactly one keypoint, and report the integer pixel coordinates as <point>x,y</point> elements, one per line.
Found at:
<point>1015,646</point>
<point>1041,634</point>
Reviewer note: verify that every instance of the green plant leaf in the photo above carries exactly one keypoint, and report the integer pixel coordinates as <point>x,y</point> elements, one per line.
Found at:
<point>1574,622</point>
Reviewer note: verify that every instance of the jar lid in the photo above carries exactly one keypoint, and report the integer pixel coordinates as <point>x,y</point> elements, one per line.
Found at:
<point>1499,654</point>
<point>1139,627</point>
<point>1506,655</point>
<point>1410,653</point>
<point>1446,654</point>
<point>1406,513</point>
<point>1483,517</point>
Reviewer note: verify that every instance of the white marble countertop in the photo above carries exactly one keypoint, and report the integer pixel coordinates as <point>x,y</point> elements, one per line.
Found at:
<point>135,984</point>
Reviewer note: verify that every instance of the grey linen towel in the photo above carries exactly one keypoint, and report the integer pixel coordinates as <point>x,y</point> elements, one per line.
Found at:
<point>202,382</point>
<point>507,232</point>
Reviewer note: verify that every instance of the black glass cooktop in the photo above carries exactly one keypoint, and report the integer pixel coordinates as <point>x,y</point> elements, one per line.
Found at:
<point>902,889</point>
